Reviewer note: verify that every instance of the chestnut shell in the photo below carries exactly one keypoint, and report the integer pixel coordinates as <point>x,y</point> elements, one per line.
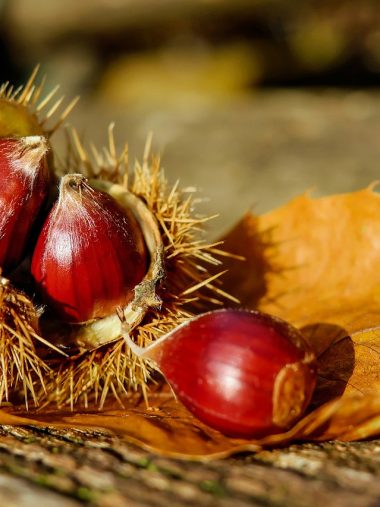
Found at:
<point>245,373</point>
<point>90,253</point>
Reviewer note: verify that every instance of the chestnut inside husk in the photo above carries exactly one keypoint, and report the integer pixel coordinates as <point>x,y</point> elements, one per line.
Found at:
<point>176,285</point>
<point>97,332</point>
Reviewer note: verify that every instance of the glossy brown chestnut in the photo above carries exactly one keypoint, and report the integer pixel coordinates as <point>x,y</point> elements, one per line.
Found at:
<point>245,373</point>
<point>25,181</point>
<point>90,254</point>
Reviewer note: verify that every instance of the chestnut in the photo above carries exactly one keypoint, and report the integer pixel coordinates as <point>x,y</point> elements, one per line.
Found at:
<point>25,185</point>
<point>90,254</point>
<point>99,251</point>
<point>244,373</point>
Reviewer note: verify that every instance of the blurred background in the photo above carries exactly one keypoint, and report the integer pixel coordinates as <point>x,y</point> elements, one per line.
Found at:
<point>252,101</point>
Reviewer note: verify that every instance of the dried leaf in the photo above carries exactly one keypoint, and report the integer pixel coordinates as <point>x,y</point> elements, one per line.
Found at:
<point>319,261</point>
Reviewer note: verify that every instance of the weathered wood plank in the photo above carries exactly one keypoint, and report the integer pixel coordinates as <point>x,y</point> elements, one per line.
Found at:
<point>95,467</point>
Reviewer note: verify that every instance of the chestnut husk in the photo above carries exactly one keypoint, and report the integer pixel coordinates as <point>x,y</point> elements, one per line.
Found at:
<point>24,372</point>
<point>27,111</point>
<point>178,283</point>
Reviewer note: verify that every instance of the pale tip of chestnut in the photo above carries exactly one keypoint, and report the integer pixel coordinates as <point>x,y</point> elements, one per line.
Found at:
<point>34,141</point>
<point>28,151</point>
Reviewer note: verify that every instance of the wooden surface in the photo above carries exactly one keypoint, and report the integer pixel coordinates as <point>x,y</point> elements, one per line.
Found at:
<point>50,467</point>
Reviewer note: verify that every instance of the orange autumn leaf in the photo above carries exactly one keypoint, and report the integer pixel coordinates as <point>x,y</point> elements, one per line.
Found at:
<point>314,263</point>
<point>319,263</point>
